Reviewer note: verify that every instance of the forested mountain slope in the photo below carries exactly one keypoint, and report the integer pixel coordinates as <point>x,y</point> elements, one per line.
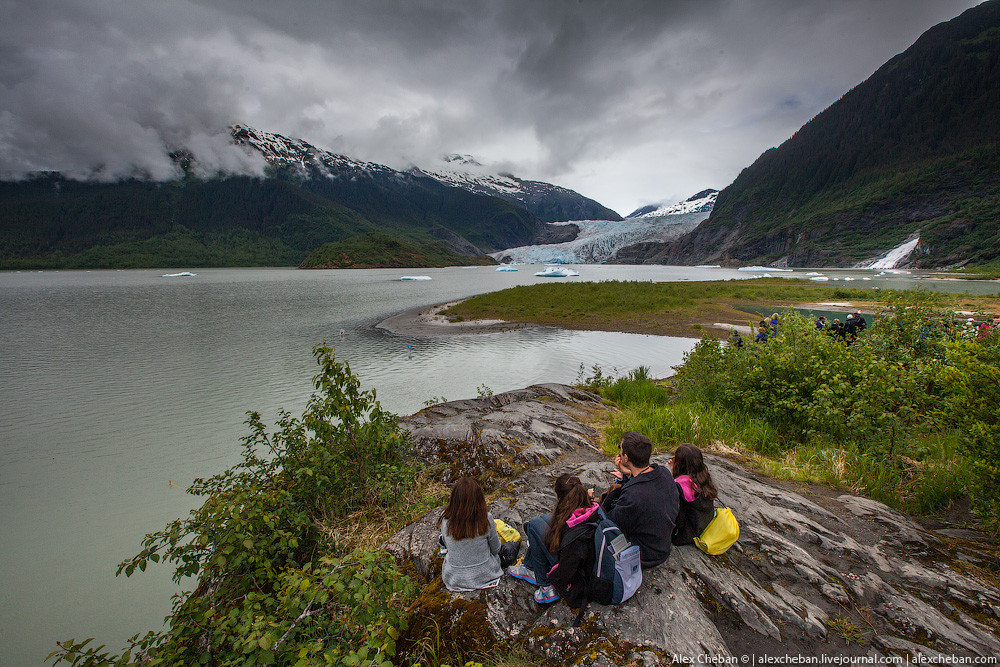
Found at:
<point>309,199</point>
<point>912,150</point>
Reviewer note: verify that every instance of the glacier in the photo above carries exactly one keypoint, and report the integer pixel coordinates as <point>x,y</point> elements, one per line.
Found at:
<point>598,241</point>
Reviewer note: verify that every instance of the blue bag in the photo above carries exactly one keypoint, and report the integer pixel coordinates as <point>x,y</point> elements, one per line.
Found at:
<point>617,570</point>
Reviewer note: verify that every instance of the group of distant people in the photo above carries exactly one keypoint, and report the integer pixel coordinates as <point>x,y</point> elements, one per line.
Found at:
<point>766,328</point>
<point>849,329</point>
<point>654,506</point>
<point>980,330</point>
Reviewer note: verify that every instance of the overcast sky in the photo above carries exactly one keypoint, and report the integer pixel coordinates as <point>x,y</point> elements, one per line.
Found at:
<point>626,102</point>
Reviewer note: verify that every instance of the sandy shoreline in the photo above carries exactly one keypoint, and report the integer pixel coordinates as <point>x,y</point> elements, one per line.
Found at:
<point>427,321</point>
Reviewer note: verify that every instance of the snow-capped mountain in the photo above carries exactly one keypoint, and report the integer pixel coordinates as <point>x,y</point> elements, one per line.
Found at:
<point>545,201</point>
<point>280,151</point>
<point>548,202</point>
<point>703,202</point>
<point>598,241</point>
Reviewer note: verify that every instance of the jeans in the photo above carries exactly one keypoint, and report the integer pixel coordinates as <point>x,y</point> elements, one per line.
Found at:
<point>537,558</point>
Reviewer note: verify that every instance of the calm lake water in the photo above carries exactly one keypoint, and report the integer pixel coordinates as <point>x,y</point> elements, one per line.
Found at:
<point>118,388</point>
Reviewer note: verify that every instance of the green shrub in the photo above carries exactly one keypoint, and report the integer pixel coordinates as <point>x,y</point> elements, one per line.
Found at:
<point>910,410</point>
<point>969,402</point>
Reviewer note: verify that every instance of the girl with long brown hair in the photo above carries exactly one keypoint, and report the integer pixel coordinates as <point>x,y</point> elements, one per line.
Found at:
<point>471,542</point>
<point>560,552</point>
<point>697,494</point>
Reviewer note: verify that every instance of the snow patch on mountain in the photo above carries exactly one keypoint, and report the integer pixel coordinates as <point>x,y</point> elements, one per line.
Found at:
<point>703,202</point>
<point>283,151</point>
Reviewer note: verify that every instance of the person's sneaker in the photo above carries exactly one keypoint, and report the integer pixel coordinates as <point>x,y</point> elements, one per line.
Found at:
<point>545,595</point>
<point>521,572</point>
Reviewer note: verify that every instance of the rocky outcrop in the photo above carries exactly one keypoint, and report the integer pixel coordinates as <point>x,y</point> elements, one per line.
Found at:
<point>495,437</point>
<point>813,573</point>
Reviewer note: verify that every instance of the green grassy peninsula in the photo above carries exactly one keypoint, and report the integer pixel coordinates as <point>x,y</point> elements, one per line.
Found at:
<point>674,309</point>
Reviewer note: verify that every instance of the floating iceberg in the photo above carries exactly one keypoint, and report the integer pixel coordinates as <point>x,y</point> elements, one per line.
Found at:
<point>183,274</point>
<point>556,272</point>
<point>819,279</point>
<point>814,273</point>
<point>708,266</point>
<point>506,267</point>
<point>415,278</point>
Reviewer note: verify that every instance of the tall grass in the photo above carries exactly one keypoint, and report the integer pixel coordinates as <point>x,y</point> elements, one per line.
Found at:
<point>669,425</point>
<point>899,415</point>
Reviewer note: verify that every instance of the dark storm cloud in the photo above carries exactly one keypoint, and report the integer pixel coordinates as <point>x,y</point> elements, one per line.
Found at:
<point>625,101</point>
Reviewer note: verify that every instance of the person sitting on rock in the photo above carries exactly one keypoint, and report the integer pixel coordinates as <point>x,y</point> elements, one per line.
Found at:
<point>697,494</point>
<point>470,539</point>
<point>571,538</point>
<point>644,501</point>
<point>538,559</point>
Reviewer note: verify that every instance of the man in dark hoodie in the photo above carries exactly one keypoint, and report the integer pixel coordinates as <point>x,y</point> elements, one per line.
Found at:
<point>643,503</point>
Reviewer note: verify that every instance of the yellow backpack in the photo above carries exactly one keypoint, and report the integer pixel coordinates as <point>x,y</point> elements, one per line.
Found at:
<point>720,534</point>
<point>506,533</point>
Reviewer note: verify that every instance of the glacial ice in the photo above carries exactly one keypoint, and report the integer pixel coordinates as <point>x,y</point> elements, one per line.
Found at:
<point>600,240</point>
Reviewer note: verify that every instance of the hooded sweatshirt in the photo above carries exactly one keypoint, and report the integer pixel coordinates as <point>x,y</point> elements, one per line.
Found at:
<point>694,513</point>
<point>644,507</point>
<point>569,576</point>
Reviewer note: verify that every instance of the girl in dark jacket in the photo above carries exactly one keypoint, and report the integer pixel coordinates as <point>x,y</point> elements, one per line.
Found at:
<point>697,494</point>
<point>571,538</point>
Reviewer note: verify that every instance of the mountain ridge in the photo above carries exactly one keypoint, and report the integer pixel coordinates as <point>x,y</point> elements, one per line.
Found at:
<point>307,197</point>
<point>914,149</point>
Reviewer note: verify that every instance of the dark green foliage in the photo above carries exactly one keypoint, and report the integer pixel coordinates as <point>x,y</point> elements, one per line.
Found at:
<point>376,250</point>
<point>970,392</point>
<point>910,379</point>
<point>270,589</point>
<point>915,147</point>
<point>51,222</point>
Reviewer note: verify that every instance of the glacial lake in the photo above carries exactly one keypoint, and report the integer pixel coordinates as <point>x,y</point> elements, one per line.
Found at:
<point>118,388</point>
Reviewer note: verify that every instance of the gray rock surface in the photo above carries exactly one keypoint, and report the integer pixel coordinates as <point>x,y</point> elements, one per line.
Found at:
<point>497,436</point>
<point>813,573</point>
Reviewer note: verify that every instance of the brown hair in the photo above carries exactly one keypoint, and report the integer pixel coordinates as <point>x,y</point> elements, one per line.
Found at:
<point>570,496</point>
<point>689,461</point>
<point>637,448</point>
<point>466,510</point>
